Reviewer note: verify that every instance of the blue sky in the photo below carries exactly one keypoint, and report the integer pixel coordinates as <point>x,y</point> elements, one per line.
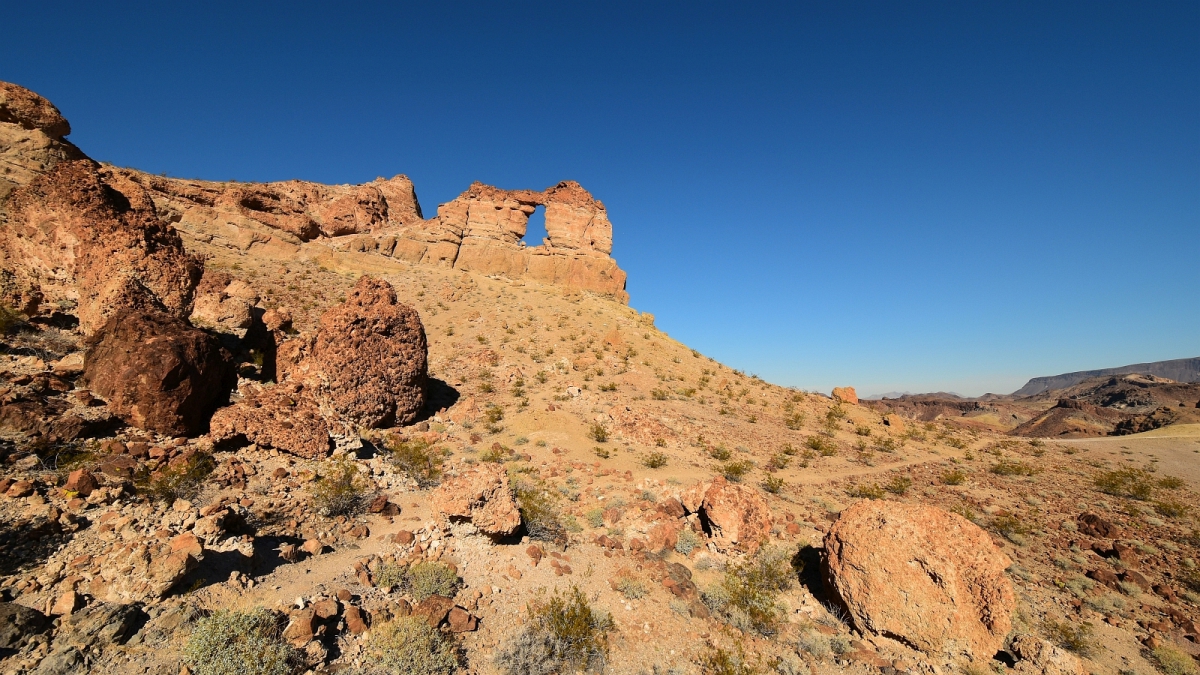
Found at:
<point>899,196</point>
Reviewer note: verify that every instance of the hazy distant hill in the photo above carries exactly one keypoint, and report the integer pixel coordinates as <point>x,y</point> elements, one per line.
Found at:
<point>1180,370</point>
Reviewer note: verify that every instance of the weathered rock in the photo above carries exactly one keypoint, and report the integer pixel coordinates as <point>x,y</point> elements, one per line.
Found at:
<point>300,628</point>
<point>663,536</point>
<point>920,575</point>
<point>138,572</point>
<point>103,623</point>
<point>66,604</point>
<point>281,417</point>
<point>31,142</point>
<point>367,365</point>
<point>82,481</point>
<point>157,372</point>
<point>1039,657</point>
<point>223,303</point>
<point>434,609</point>
<point>461,621</point>
<point>1093,525</point>
<point>736,516</point>
<point>845,395</point>
<point>18,623</point>
<point>481,495</point>
<point>894,422</point>
<point>79,234</point>
<point>356,620</point>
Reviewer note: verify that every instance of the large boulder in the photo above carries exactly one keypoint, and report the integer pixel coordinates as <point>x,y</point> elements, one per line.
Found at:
<point>481,495</point>
<point>367,366</point>
<point>158,372</point>
<point>930,579</point>
<point>735,516</point>
<point>1039,657</point>
<point>845,395</point>
<point>281,417</point>
<point>18,623</point>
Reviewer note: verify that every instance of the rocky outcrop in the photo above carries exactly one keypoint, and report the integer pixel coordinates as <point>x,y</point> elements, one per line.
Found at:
<point>281,417</point>
<point>368,361</point>
<point>734,516</point>
<point>845,395</point>
<point>930,579</point>
<point>32,139</point>
<point>157,372</point>
<point>1040,657</point>
<point>224,303</point>
<point>481,495</point>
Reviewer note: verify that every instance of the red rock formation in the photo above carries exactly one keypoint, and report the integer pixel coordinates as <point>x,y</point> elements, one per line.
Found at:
<point>736,516</point>
<point>157,372</point>
<point>845,395</point>
<point>31,137</point>
<point>280,417</point>
<point>481,495</point>
<point>917,574</point>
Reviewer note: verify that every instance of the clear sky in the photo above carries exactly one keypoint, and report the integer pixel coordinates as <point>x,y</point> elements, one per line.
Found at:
<point>895,195</point>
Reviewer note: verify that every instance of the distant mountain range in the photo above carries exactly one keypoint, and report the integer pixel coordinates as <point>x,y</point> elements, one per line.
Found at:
<point>1180,370</point>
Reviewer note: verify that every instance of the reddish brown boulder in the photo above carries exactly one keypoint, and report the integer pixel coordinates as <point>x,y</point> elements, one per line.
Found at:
<point>917,574</point>
<point>434,609</point>
<point>368,362</point>
<point>1093,525</point>
<point>280,417</point>
<point>481,495</point>
<point>845,395</point>
<point>664,536</point>
<point>82,482</point>
<point>356,620</point>
<point>736,515</point>
<point>461,621</point>
<point>157,372</point>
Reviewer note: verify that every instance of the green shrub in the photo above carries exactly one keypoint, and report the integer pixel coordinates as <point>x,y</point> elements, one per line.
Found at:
<point>1173,661</point>
<point>1010,526</point>
<point>872,491</point>
<point>718,661</point>
<point>779,461</point>
<point>601,452</point>
<point>1075,638</point>
<point>417,460</point>
<point>795,421</point>
<point>340,489</point>
<point>239,643</point>
<point>492,415</point>
<point>430,578</point>
<point>655,460</point>
<point>720,453</point>
<point>539,513</point>
<point>181,481</point>
<point>389,575</point>
<point>563,635</point>
<point>598,433</point>
<point>1132,483</point>
<point>746,596</point>
<point>736,470</point>
<point>954,477</point>
<point>1170,483</point>
<point>497,454</point>
<point>1171,508</point>
<point>823,446</point>
<point>408,645</point>
<point>687,541</point>
<point>899,485</point>
<point>773,484</point>
<point>1012,468</point>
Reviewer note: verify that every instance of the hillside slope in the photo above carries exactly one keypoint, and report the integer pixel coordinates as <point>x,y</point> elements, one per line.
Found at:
<point>1180,370</point>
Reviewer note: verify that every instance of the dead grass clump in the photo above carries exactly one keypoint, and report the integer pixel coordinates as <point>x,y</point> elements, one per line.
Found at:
<point>340,490</point>
<point>418,460</point>
<point>1173,661</point>
<point>718,661</point>
<point>1078,638</point>
<point>953,477</point>
<point>1007,467</point>
<point>181,481</point>
<point>233,643</point>
<point>655,460</point>
<point>563,635</point>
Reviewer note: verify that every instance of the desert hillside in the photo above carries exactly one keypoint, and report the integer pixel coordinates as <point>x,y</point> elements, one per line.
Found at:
<point>298,428</point>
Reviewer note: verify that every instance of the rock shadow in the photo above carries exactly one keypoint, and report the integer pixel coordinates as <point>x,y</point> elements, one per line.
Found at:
<point>439,396</point>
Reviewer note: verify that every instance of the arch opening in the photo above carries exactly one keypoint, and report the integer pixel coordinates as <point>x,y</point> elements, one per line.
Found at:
<point>535,228</point>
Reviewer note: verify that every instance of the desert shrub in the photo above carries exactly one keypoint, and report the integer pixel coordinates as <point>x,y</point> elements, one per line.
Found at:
<point>779,461</point>
<point>718,661</point>
<point>595,517</point>
<point>598,433</point>
<point>389,575</point>
<point>601,452</point>
<point>655,460</point>
<point>631,588</point>
<point>1010,526</point>
<point>659,394</point>
<point>181,481</point>
<point>340,489</point>
<point>1007,467</point>
<point>862,430</point>
<point>539,513</point>
<point>1170,483</point>
<point>736,470</point>
<point>492,415</point>
<point>1076,638</point>
<point>1171,508</point>
<point>899,485</point>
<point>418,460</point>
<point>563,635</point>
<point>795,421</point>
<point>611,386</point>
<point>746,594</point>
<point>687,541</point>
<point>497,454</point>
<point>409,645</point>
<point>239,643</point>
<point>720,453</point>
<point>430,578</point>
<point>1132,483</point>
<point>822,446</point>
<point>814,642</point>
<point>1173,661</point>
<point>9,319</point>
<point>872,491</point>
<point>773,484</point>
<point>954,477</point>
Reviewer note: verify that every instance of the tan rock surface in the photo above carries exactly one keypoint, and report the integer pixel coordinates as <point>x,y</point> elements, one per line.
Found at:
<point>920,575</point>
<point>481,495</point>
<point>845,395</point>
<point>281,417</point>
<point>1040,657</point>
<point>736,515</point>
<point>31,137</point>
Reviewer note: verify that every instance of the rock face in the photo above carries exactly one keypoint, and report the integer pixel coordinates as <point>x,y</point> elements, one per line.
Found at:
<point>281,417</point>
<point>1039,657</point>
<point>845,395</point>
<point>736,517</point>
<point>917,574</point>
<point>157,372</point>
<point>79,235</point>
<point>481,495</point>
<point>18,623</point>
<point>368,362</point>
